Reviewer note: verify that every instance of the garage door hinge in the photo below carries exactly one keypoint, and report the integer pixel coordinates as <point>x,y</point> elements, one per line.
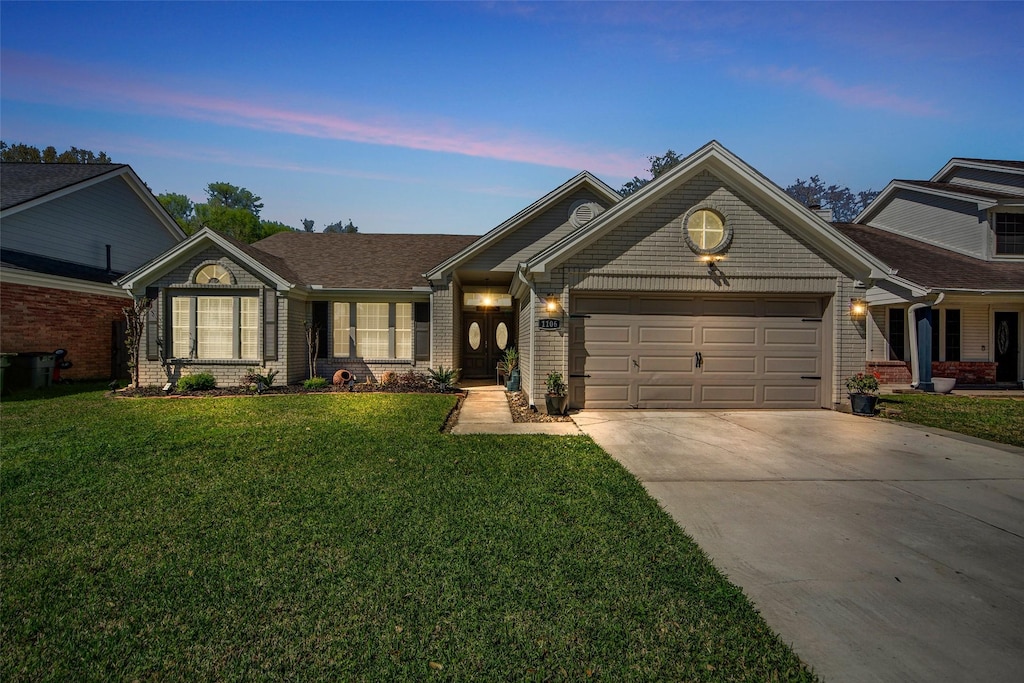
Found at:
<point>579,315</point>
<point>812,320</point>
<point>810,376</point>
<point>578,375</point>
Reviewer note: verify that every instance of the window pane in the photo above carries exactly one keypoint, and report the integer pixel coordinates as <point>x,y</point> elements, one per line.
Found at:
<point>214,326</point>
<point>936,314</point>
<point>501,336</point>
<point>897,329</point>
<point>372,330</point>
<point>247,326</point>
<point>403,330</point>
<point>1010,233</point>
<point>953,334</point>
<point>474,335</point>
<point>340,329</point>
<point>181,338</point>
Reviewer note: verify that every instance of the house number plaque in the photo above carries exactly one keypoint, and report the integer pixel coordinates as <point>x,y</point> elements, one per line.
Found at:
<point>549,323</point>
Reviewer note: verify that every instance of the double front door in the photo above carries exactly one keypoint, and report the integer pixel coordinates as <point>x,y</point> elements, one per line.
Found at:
<point>485,336</point>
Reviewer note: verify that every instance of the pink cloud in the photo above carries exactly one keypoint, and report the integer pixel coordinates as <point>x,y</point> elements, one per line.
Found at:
<point>33,79</point>
<point>864,96</point>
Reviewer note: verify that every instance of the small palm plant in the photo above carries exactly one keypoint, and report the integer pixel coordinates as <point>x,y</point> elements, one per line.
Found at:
<point>444,378</point>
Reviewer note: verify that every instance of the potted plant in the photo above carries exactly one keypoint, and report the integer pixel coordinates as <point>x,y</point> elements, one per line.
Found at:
<point>863,388</point>
<point>509,367</point>
<point>556,399</point>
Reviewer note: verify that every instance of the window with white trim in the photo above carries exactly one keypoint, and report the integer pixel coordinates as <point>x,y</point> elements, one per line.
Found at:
<point>372,330</point>
<point>215,327</point>
<point>382,330</point>
<point>1009,229</point>
<point>341,328</point>
<point>403,330</point>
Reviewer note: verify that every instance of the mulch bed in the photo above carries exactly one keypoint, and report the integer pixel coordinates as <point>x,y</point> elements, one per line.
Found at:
<point>401,384</point>
<point>522,412</point>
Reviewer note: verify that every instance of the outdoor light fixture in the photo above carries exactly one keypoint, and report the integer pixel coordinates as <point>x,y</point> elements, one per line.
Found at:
<point>712,261</point>
<point>858,308</point>
<point>552,304</point>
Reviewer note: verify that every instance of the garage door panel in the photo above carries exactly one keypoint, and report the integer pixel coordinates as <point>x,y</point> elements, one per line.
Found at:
<point>795,308</point>
<point>662,306</point>
<point>670,364</point>
<point>668,393</point>
<point>783,336</point>
<point>609,334</point>
<point>728,335</point>
<point>618,395</point>
<point>795,365</point>
<point>791,395</point>
<point>732,394</point>
<point>607,364</point>
<point>730,307</point>
<point>665,335</point>
<point>613,305</point>
<point>721,364</point>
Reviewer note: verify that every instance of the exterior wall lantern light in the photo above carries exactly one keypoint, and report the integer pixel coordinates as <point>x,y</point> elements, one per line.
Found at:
<point>858,308</point>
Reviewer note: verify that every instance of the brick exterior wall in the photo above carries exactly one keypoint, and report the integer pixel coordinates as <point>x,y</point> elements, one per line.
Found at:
<point>965,372</point>
<point>46,319</point>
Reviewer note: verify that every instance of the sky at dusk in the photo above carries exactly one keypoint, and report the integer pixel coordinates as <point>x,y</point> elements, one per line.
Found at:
<point>451,117</point>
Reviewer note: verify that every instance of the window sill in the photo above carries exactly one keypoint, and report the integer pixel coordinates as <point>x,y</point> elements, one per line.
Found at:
<point>215,361</point>
<point>375,361</point>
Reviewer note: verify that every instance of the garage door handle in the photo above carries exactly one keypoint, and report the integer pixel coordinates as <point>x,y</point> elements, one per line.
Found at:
<point>810,376</point>
<point>698,359</point>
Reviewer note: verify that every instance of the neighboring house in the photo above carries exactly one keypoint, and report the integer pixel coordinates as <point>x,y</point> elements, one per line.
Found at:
<point>959,238</point>
<point>708,288</point>
<point>67,231</point>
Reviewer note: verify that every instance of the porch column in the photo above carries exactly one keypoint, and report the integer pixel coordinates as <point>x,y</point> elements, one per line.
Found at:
<point>923,322</point>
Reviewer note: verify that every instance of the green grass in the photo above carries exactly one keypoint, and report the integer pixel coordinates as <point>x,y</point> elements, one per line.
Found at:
<point>995,419</point>
<point>341,537</point>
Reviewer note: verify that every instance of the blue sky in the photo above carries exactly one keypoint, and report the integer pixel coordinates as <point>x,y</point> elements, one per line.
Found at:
<point>450,117</point>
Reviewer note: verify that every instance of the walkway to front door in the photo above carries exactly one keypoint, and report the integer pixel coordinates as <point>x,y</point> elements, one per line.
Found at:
<point>485,336</point>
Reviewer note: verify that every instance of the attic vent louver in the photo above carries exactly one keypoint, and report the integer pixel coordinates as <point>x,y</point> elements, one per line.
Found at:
<point>583,212</point>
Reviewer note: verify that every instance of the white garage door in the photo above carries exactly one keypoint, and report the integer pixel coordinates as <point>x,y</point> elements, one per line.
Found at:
<point>643,351</point>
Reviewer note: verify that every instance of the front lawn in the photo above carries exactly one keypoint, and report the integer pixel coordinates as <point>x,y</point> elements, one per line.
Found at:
<point>342,537</point>
<point>994,419</point>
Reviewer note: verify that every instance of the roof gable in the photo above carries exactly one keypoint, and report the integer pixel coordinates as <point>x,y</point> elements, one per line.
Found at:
<point>768,197</point>
<point>583,180</point>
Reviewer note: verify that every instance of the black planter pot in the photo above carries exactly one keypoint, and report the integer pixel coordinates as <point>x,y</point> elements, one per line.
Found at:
<point>556,405</point>
<point>513,381</point>
<point>863,404</point>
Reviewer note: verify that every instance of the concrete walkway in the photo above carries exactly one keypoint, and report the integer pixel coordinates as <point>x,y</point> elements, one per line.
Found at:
<point>486,411</point>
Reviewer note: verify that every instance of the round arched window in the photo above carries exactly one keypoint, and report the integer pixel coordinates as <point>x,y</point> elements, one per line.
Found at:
<point>213,274</point>
<point>501,336</point>
<point>705,231</point>
<point>474,335</point>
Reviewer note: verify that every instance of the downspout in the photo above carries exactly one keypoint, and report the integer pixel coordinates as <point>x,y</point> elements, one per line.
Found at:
<point>915,356</point>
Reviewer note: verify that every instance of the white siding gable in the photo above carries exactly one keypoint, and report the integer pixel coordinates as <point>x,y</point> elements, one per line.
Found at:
<point>949,223</point>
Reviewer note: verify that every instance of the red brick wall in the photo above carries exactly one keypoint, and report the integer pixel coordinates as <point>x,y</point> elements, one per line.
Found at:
<point>44,319</point>
<point>898,372</point>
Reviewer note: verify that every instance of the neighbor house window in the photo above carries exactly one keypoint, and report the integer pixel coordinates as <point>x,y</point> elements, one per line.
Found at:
<point>953,334</point>
<point>897,333</point>
<point>215,327</point>
<point>1010,233</point>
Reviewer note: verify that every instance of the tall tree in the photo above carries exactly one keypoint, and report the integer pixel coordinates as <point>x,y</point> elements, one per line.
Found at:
<point>268,228</point>
<point>659,164</point>
<point>181,208</point>
<point>236,222</point>
<point>307,225</point>
<point>233,197</point>
<point>28,153</point>
<point>844,204</point>
<point>342,227</point>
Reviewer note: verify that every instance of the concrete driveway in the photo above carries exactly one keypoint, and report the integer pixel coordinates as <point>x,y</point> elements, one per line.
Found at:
<point>879,551</point>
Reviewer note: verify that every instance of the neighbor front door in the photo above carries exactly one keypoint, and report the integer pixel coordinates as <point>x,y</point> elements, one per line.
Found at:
<point>485,336</point>
<point>1007,346</point>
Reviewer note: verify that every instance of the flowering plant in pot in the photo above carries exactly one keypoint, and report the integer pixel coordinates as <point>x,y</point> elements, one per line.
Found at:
<point>509,367</point>
<point>555,400</point>
<point>863,388</point>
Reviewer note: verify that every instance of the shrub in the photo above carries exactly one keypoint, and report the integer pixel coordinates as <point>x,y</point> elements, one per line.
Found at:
<point>556,384</point>
<point>315,383</point>
<point>862,383</point>
<point>444,377</point>
<point>253,378</point>
<point>200,381</point>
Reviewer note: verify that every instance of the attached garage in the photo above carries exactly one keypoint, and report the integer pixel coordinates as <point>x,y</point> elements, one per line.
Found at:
<point>714,352</point>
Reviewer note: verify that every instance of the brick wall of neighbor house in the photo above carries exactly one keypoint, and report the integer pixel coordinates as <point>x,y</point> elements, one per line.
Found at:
<point>46,319</point>
<point>647,253</point>
<point>227,372</point>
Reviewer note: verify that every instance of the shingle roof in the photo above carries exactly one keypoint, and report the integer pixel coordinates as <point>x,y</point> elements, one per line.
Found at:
<point>961,189</point>
<point>356,260</point>
<point>933,266</point>
<point>22,182</point>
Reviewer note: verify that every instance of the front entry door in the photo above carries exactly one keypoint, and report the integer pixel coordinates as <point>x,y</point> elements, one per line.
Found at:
<point>1006,345</point>
<point>485,336</point>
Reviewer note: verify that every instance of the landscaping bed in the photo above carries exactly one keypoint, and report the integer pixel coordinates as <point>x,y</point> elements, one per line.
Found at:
<point>519,404</point>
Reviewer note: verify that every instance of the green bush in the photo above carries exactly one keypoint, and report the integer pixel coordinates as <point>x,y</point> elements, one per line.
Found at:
<point>197,382</point>
<point>315,383</point>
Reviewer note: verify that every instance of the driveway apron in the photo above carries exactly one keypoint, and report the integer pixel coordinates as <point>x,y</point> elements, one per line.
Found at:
<point>880,552</point>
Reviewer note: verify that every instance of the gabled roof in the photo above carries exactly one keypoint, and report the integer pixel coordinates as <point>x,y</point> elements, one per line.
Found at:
<point>495,235</point>
<point>24,185</point>
<point>934,267</point>
<point>723,164</point>
<point>318,261</point>
<point>982,197</point>
<point>1002,166</point>
<point>361,260</point>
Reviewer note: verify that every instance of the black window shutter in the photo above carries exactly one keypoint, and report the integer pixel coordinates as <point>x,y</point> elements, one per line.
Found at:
<point>422,340</point>
<point>269,324</point>
<point>153,323</point>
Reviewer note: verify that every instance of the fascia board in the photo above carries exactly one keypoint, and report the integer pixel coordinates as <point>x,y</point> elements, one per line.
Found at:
<point>30,278</point>
<point>497,233</point>
<point>193,245</point>
<point>64,191</point>
<point>979,165</point>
